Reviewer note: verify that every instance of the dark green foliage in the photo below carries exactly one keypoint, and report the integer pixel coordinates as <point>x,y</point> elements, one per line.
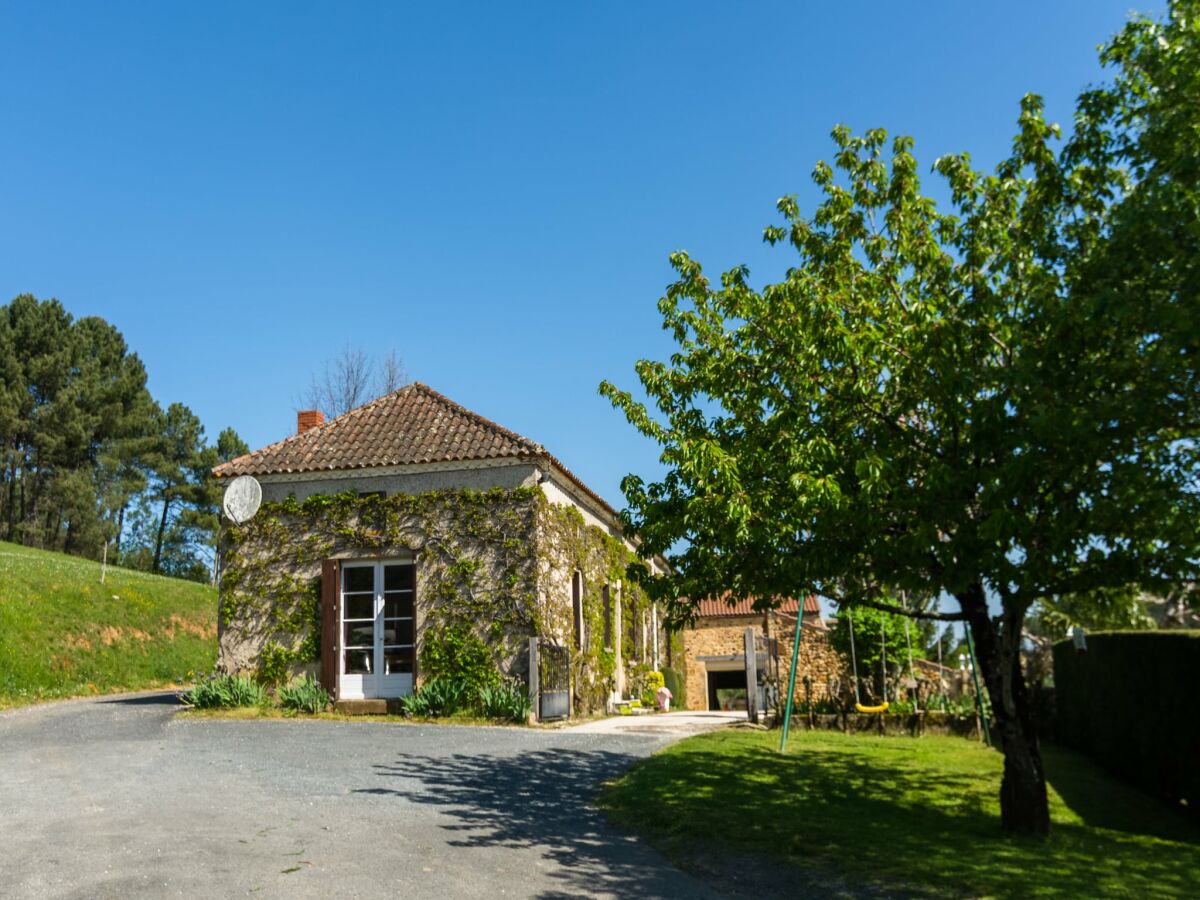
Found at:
<point>225,692</point>
<point>677,685</point>
<point>1128,702</point>
<point>305,695</point>
<point>822,707</point>
<point>456,652</point>
<point>438,697</point>
<point>508,699</point>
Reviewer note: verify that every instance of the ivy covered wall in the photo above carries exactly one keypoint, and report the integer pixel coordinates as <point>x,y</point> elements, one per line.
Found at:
<point>567,544</point>
<point>500,561</point>
<point>474,552</point>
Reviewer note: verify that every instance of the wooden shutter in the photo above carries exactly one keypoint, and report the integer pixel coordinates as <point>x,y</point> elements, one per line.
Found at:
<point>577,608</point>
<point>331,576</point>
<point>416,618</point>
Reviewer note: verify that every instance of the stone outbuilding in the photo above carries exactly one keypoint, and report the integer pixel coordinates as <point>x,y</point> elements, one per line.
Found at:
<point>412,536</point>
<point>714,652</point>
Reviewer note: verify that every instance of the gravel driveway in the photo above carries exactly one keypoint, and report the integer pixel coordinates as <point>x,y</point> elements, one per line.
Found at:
<point>116,797</point>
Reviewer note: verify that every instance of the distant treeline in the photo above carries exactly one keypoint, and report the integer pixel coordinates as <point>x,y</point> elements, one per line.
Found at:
<point>91,463</point>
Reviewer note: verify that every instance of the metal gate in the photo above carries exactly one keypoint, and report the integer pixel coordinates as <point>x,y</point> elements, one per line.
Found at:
<point>554,681</point>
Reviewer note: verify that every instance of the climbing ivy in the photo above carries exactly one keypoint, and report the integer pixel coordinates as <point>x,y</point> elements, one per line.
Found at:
<point>455,650</point>
<point>494,568</point>
<point>569,544</point>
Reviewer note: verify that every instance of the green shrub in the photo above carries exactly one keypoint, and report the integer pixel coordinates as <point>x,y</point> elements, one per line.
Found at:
<point>274,665</point>
<point>507,700</point>
<point>649,694</point>
<point>225,692</point>
<point>677,686</point>
<point>455,651</point>
<point>306,695</point>
<point>637,680</point>
<point>962,705</point>
<point>440,696</point>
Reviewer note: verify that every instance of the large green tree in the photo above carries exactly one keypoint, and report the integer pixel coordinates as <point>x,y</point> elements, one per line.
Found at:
<point>993,400</point>
<point>70,391</point>
<point>178,463</point>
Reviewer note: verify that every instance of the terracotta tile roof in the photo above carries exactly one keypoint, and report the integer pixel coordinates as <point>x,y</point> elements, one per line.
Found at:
<point>413,425</point>
<point>717,607</point>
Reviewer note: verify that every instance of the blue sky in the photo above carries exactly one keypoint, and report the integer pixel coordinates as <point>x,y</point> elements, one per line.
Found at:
<point>491,190</point>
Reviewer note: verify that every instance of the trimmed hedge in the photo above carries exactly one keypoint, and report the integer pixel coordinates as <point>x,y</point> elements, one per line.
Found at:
<point>677,686</point>
<point>1127,703</point>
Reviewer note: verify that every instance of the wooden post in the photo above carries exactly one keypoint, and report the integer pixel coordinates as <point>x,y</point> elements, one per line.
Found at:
<point>751,676</point>
<point>534,677</point>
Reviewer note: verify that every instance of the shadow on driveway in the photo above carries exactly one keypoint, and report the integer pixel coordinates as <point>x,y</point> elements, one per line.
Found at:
<point>541,799</point>
<point>166,698</point>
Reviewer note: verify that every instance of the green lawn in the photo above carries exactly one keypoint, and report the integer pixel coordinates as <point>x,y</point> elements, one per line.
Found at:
<point>63,633</point>
<point>917,814</point>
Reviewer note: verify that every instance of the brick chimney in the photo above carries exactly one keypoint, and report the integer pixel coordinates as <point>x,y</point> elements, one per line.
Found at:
<point>308,418</point>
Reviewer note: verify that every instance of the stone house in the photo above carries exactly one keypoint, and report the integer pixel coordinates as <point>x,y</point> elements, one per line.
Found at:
<point>410,536</point>
<point>714,656</point>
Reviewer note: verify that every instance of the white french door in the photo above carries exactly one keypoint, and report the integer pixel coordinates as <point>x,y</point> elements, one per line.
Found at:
<point>377,626</point>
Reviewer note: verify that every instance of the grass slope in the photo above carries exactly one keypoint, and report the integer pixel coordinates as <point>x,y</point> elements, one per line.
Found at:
<point>919,816</point>
<point>63,633</point>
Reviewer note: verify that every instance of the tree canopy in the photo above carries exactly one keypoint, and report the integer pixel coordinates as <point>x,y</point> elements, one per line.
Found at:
<point>86,451</point>
<point>993,399</point>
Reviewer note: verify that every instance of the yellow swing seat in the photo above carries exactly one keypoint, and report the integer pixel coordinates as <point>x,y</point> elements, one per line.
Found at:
<point>882,707</point>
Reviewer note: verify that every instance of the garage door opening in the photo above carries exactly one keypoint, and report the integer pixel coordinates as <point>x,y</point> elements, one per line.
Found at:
<point>727,690</point>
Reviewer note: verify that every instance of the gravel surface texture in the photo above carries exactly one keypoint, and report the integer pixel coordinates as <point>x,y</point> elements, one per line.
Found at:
<point>118,797</point>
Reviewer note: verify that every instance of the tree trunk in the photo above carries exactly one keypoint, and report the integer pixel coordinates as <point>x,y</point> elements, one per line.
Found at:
<point>1023,804</point>
<point>162,527</point>
<point>50,540</point>
<point>21,516</point>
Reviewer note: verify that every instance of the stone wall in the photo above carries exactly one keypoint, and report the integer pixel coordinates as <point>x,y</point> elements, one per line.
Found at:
<point>711,637</point>
<point>724,635</point>
<point>818,660</point>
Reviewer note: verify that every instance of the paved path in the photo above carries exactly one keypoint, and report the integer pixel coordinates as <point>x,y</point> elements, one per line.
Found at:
<point>670,726</point>
<point>118,798</point>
